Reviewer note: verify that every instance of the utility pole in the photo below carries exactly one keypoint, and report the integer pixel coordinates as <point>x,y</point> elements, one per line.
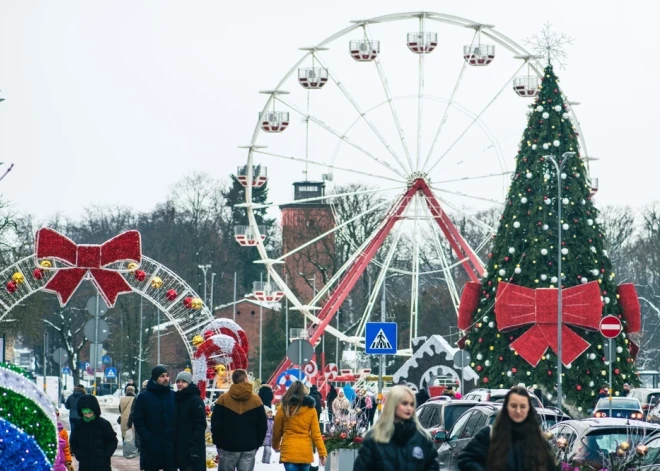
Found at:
<point>234,296</point>
<point>261,328</point>
<point>211,303</point>
<point>204,269</point>
<point>140,350</point>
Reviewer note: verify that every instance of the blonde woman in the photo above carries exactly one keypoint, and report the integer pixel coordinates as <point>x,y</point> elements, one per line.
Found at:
<point>296,427</point>
<point>397,442</point>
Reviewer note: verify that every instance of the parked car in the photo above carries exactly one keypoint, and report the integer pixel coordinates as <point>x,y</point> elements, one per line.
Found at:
<point>647,397</point>
<point>453,442</point>
<point>494,395</point>
<point>589,439</point>
<point>621,408</point>
<point>441,414</point>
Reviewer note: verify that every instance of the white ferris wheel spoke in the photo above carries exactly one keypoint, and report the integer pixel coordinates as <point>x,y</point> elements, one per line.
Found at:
<point>382,274</point>
<point>363,115</point>
<point>465,195</point>
<point>388,95</point>
<point>449,103</point>
<point>345,138</point>
<point>446,270</point>
<point>327,165</point>
<point>321,198</point>
<point>333,230</point>
<point>478,177</point>
<point>420,95</point>
<point>476,118</point>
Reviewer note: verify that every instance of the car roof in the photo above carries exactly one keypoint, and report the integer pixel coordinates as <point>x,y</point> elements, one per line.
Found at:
<point>655,390</point>
<point>616,400</point>
<point>451,401</point>
<point>592,422</point>
<point>540,410</point>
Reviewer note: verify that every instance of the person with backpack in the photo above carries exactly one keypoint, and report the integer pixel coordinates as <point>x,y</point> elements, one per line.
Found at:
<point>513,443</point>
<point>397,442</point>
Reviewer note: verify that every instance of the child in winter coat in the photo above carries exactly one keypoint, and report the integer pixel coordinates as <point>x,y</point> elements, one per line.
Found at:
<point>268,441</point>
<point>63,462</point>
<point>93,440</point>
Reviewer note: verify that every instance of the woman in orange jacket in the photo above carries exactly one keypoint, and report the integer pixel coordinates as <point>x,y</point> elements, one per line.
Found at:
<point>296,427</point>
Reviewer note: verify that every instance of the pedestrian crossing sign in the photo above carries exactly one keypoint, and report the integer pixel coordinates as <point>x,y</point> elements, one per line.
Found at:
<point>381,338</point>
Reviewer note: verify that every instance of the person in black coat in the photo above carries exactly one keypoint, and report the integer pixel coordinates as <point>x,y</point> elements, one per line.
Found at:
<point>153,418</point>
<point>397,442</point>
<point>316,395</point>
<point>93,441</point>
<point>190,442</point>
<point>266,395</point>
<point>514,443</point>
<point>329,399</point>
<point>72,404</point>
<point>422,396</point>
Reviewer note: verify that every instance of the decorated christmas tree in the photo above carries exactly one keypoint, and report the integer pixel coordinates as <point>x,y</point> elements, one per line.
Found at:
<point>510,319</point>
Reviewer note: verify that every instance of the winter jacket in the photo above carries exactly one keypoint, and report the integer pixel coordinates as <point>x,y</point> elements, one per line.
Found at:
<point>340,405</point>
<point>64,436</point>
<point>93,443</point>
<point>294,435</point>
<point>72,403</point>
<point>330,398</point>
<point>125,404</point>
<point>239,420</point>
<point>421,397</point>
<point>153,418</point>
<point>318,402</point>
<point>349,392</point>
<point>190,452</point>
<point>475,454</point>
<point>266,395</point>
<point>408,450</point>
<point>268,441</point>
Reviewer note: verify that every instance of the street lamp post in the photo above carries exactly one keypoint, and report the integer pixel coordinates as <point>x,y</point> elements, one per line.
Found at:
<point>204,269</point>
<point>558,167</point>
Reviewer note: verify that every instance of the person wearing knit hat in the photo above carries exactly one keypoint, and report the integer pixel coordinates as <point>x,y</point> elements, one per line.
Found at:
<point>190,425</point>
<point>154,418</point>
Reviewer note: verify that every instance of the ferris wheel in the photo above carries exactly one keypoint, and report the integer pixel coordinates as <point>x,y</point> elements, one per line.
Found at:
<point>420,111</point>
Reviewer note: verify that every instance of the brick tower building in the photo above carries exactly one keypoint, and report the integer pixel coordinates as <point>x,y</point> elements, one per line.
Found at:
<point>301,222</point>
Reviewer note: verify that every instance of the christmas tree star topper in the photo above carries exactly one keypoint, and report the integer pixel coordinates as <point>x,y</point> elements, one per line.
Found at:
<point>551,45</point>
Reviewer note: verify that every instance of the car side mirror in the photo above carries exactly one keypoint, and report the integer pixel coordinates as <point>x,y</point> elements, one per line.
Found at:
<point>440,436</point>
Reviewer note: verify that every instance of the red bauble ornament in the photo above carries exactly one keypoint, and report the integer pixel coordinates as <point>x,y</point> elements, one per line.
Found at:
<point>478,367</point>
<point>140,275</point>
<point>506,259</point>
<point>480,340</point>
<point>617,371</point>
<point>578,387</point>
<point>485,380</point>
<point>187,301</point>
<point>171,294</point>
<point>549,373</point>
<point>514,370</point>
<point>501,358</point>
<point>12,286</point>
<point>38,274</point>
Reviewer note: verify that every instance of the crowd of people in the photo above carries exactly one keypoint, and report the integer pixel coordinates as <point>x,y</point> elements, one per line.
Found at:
<point>169,429</point>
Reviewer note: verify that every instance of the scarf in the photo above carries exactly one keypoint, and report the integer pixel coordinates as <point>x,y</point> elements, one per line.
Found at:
<point>88,419</point>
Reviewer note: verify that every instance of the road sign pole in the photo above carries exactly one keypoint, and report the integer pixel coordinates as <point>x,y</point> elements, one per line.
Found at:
<point>45,357</point>
<point>96,343</point>
<point>610,368</point>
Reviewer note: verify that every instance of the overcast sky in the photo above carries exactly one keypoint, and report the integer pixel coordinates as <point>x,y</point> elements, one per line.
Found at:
<point>110,103</point>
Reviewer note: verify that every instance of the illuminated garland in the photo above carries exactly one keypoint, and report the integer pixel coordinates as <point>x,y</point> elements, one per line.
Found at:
<point>19,451</point>
<point>26,415</point>
<point>15,369</point>
<point>14,379</point>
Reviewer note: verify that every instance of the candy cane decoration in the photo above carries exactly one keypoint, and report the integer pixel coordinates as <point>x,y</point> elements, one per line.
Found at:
<point>227,327</point>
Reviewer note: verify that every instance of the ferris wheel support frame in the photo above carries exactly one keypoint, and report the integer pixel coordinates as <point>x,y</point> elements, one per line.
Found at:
<point>469,260</point>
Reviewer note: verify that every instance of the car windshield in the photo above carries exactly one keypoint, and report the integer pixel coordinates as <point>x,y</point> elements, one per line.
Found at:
<point>617,403</point>
<point>453,411</point>
<point>607,440</point>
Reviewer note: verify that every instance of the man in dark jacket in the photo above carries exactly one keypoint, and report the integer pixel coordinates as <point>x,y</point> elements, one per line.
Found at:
<point>604,392</point>
<point>153,418</point>
<point>421,397</point>
<point>238,425</point>
<point>330,398</point>
<point>190,425</point>
<point>316,395</point>
<point>93,441</point>
<point>72,404</point>
<point>266,395</point>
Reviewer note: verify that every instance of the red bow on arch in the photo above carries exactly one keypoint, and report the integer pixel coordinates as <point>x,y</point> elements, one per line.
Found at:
<point>88,259</point>
<point>516,306</point>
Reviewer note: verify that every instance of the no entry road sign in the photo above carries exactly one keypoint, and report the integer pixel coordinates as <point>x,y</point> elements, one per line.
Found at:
<point>610,327</point>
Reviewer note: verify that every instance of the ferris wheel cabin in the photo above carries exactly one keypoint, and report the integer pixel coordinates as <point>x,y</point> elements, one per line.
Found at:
<point>526,85</point>
<point>312,77</point>
<point>274,121</point>
<point>479,54</point>
<point>259,175</point>
<point>364,50</point>
<point>266,292</point>
<point>422,42</point>
<point>594,186</point>
<point>246,235</point>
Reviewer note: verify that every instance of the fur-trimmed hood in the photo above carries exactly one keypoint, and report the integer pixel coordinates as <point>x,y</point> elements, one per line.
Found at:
<point>306,401</point>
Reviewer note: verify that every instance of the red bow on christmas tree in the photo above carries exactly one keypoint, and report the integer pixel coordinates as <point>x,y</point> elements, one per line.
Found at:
<point>84,259</point>
<point>516,306</point>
